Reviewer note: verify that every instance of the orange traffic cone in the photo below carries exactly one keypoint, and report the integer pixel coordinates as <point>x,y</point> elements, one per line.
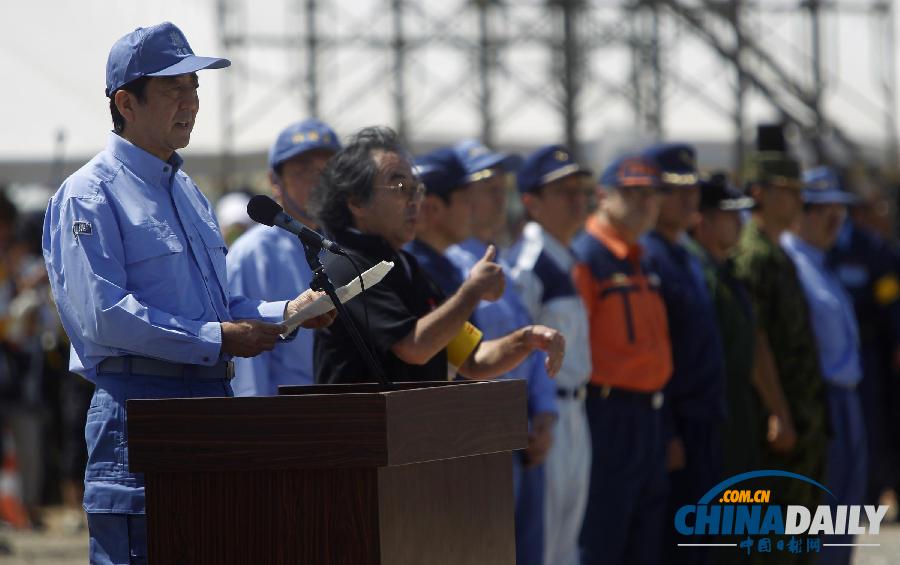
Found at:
<point>11,509</point>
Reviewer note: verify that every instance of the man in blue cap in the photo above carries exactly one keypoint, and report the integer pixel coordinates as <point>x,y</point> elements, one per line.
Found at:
<point>867,266</point>
<point>631,361</point>
<point>486,175</point>
<point>116,235</point>
<point>556,191</point>
<point>445,216</point>
<point>269,262</point>
<point>837,335</point>
<point>695,396</point>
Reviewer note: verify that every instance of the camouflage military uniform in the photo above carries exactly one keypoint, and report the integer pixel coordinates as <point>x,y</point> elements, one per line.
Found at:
<point>782,313</point>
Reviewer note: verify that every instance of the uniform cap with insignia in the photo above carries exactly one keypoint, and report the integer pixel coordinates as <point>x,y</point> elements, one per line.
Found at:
<point>440,171</point>
<point>547,164</point>
<point>677,163</point>
<point>772,167</point>
<point>301,137</point>
<point>629,170</point>
<point>155,51</point>
<point>480,162</point>
<point>822,185</point>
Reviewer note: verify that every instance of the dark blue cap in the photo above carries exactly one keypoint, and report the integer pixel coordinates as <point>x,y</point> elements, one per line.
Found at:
<point>676,162</point>
<point>548,164</point>
<point>303,136</point>
<point>480,162</point>
<point>440,171</point>
<point>629,170</point>
<point>155,51</point>
<point>717,193</point>
<point>822,185</point>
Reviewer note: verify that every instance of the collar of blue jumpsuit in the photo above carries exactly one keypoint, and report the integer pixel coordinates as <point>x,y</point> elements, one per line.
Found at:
<point>831,311</point>
<point>441,270</point>
<point>145,165</point>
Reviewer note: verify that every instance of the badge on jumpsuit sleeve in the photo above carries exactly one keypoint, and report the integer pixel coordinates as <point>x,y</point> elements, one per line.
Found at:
<point>82,228</point>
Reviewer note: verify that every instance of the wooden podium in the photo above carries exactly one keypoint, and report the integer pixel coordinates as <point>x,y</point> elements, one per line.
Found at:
<point>332,474</point>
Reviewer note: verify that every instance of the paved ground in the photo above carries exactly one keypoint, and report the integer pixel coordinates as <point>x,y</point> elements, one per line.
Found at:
<point>57,546</point>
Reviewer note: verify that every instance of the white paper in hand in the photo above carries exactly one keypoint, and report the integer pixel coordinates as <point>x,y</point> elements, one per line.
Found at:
<point>323,304</point>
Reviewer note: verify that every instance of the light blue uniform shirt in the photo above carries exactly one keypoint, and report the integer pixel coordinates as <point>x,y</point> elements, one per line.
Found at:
<point>497,319</point>
<point>137,262</point>
<point>831,309</point>
<point>268,262</point>
<point>137,267</point>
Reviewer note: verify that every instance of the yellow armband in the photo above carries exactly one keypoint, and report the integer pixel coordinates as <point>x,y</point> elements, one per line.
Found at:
<point>463,345</point>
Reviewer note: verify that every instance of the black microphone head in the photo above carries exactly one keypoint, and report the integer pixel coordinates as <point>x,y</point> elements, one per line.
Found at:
<point>263,209</point>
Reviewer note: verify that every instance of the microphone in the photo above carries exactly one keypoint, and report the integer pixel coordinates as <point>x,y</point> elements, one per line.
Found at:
<point>264,210</point>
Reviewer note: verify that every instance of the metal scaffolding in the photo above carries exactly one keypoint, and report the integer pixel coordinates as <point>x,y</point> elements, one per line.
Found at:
<point>497,64</point>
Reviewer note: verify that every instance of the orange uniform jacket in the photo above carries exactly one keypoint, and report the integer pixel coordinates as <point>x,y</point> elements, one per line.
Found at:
<point>630,346</point>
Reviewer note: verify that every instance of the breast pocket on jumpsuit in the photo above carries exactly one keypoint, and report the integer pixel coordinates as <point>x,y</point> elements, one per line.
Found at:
<point>154,258</point>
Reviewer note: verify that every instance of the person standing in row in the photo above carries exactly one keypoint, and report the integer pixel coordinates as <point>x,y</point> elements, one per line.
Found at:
<point>556,191</point>
<point>631,360</point>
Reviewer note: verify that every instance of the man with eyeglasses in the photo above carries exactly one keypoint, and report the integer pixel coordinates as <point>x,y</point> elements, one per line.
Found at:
<point>556,191</point>
<point>268,261</point>
<point>368,200</point>
<point>631,360</point>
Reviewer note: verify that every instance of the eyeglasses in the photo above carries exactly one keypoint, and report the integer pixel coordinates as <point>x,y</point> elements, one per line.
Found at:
<point>410,190</point>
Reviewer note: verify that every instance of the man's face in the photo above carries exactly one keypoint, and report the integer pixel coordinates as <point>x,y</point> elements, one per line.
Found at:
<point>163,122</point>
<point>724,227</point>
<point>298,176</point>
<point>821,224</point>
<point>635,208</point>
<point>453,218</point>
<point>780,203</point>
<point>562,205</point>
<point>392,210</point>
<point>488,198</point>
<point>678,207</point>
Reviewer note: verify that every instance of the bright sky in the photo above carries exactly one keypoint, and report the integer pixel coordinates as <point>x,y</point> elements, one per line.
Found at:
<point>53,56</point>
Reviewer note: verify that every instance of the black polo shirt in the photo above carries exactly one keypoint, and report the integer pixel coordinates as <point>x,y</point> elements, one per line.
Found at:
<point>394,306</point>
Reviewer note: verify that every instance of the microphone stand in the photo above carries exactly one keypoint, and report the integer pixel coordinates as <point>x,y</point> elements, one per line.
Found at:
<point>321,282</point>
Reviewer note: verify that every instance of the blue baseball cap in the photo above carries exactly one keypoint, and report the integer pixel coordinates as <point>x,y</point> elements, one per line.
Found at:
<point>155,51</point>
<point>480,162</point>
<point>440,171</point>
<point>547,164</point>
<point>630,170</point>
<point>822,185</point>
<point>676,162</point>
<point>303,136</point>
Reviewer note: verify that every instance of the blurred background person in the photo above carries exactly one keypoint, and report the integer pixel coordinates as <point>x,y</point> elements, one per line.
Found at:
<point>837,335</point>
<point>268,261</point>
<point>488,175</point>
<point>631,360</point>
<point>695,395</point>
<point>867,266</point>
<point>555,192</point>
<point>714,237</point>
<point>799,435</point>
